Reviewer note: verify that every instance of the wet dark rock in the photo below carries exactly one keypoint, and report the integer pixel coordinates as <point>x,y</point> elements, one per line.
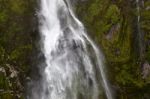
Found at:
<point>114,29</point>
<point>146,70</point>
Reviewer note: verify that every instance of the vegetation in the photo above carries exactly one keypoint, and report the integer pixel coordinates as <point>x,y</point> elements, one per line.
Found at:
<point>16,46</point>
<point>125,42</point>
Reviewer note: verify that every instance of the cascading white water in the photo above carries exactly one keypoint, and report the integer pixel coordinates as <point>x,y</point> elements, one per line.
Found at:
<point>74,68</point>
<point>138,10</point>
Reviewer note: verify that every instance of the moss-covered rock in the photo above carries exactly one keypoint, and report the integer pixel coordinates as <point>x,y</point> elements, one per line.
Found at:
<point>17,29</point>
<point>114,26</point>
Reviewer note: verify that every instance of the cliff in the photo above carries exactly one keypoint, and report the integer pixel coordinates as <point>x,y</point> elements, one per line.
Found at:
<point>119,28</point>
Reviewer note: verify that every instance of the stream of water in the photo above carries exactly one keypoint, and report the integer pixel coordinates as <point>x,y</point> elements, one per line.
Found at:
<point>74,65</point>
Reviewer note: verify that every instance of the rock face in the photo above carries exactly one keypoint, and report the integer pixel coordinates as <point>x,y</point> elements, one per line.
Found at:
<point>146,70</point>
<point>114,25</point>
<point>17,36</point>
<point>111,23</point>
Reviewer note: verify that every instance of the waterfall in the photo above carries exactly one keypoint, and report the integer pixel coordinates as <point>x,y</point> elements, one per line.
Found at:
<point>74,65</point>
<point>138,11</point>
<point>138,27</point>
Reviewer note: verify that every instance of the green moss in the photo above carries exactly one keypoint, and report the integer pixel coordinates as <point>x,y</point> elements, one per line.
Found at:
<point>145,26</point>
<point>20,52</point>
<point>15,44</point>
<point>113,14</point>
<point>19,56</point>
<point>93,11</point>
<point>112,25</point>
<point>18,6</point>
<point>2,54</point>
<point>3,16</point>
<point>4,84</point>
<point>145,20</point>
<point>7,96</point>
<point>148,54</point>
<point>124,78</point>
